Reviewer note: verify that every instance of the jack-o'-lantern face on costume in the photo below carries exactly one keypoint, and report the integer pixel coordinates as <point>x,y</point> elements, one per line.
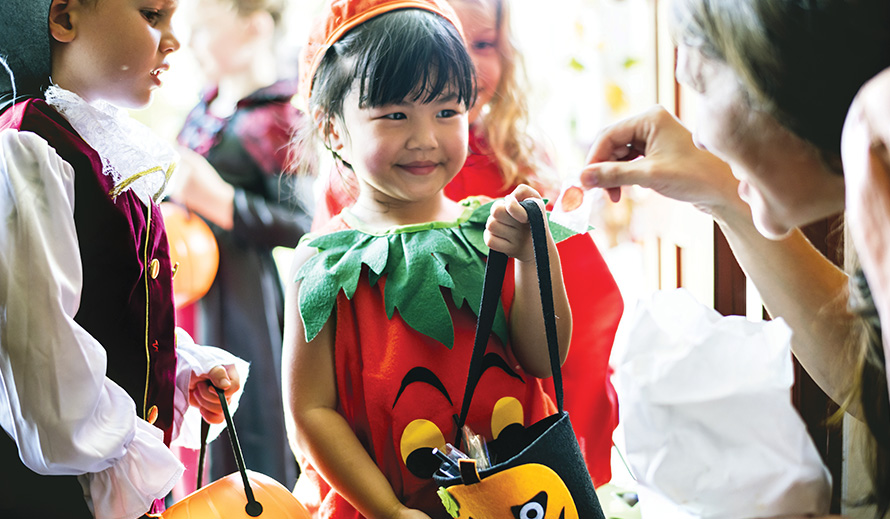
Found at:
<point>403,347</point>
<point>423,390</point>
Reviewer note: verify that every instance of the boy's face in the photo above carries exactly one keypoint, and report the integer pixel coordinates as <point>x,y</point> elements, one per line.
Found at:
<point>113,50</point>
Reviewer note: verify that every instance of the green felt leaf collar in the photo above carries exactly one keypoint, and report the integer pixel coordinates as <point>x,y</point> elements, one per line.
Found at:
<point>417,260</point>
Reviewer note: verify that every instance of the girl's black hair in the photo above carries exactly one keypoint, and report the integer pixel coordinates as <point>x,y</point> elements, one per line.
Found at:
<point>404,54</point>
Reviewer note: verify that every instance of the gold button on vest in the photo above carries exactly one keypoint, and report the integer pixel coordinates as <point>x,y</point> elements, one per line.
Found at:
<point>152,415</point>
<point>155,268</point>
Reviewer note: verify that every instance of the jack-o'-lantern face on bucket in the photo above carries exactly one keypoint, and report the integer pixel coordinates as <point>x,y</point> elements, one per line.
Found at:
<point>529,491</point>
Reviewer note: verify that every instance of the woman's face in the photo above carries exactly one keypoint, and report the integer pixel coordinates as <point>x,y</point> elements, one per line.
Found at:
<point>781,177</point>
<point>479,21</point>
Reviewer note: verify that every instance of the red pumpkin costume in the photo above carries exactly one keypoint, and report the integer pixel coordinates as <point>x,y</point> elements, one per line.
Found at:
<point>400,388</point>
<point>596,304</point>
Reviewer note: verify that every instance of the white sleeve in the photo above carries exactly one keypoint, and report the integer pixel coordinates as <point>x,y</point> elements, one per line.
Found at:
<point>198,360</point>
<point>56,403</point>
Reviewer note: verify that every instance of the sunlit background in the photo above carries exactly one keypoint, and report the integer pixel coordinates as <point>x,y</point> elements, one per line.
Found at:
<point>589,62</point>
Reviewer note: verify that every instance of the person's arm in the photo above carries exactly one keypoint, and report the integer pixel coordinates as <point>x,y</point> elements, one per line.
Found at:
<point>200,188</point>
<point>56,402</point>
<point>799,284</point>
<point>795,281</point>
<point>866,160</point>
<point>507,231</point>
<point>315,428</point>
<point>279,219</point>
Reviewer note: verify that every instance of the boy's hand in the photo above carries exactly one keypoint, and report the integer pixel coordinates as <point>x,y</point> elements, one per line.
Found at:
<point>507,228</point>
<point>204,397</point>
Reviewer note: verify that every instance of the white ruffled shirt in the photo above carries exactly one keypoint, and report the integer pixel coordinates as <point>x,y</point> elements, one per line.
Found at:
<point>56,402</point>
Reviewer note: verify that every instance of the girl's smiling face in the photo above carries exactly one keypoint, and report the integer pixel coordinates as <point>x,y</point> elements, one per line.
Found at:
<point>402,153</point>
<point>113,50</point>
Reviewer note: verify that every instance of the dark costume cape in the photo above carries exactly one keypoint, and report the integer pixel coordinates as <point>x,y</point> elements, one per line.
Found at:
<point>24,46</point>
<point>243,312</point>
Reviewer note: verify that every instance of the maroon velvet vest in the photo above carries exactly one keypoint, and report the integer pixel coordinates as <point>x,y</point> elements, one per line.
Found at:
<point>127,297</point>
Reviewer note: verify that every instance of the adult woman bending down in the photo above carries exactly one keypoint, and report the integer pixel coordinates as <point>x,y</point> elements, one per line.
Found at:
<point>776,80</point>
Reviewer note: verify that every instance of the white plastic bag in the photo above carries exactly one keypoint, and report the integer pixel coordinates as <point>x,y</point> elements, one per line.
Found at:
<point>706,409</point>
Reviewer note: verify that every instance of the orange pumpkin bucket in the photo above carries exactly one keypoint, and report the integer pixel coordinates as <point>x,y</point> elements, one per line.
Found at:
<point>194,251</point>
<point>241,495</point>
<point>226,498</point>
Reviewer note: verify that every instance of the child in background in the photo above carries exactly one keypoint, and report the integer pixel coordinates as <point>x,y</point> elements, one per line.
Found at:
<point>95,381</point>
<point>502,155</point>
<point>237,144</point>
<point>380,323</point>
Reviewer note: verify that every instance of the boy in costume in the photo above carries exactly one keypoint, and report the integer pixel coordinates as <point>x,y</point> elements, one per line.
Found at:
<point>95,380</point>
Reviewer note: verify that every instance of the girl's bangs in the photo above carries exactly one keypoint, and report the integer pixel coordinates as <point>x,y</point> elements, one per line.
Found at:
<point>420,58</point>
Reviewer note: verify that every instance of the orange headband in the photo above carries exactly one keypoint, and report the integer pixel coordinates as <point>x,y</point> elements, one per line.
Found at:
<point>342,15</point>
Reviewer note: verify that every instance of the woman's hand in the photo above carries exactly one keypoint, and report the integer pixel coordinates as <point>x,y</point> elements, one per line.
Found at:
<point>204,397</point>
<point>654,150</point>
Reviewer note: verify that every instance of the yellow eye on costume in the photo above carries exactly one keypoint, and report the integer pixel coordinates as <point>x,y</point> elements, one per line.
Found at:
<point>507,411</point>
<point>418,440</point>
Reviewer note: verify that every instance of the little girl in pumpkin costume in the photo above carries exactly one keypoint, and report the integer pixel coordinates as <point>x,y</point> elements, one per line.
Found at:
<point>381,319</point>
<point>501,156</point>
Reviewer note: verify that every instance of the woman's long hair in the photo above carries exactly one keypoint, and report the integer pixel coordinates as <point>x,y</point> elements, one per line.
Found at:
<point>870,386</point>
<point>801,61</point>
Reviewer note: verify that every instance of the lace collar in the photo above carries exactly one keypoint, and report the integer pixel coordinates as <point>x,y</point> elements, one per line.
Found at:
<point>132,154</point>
